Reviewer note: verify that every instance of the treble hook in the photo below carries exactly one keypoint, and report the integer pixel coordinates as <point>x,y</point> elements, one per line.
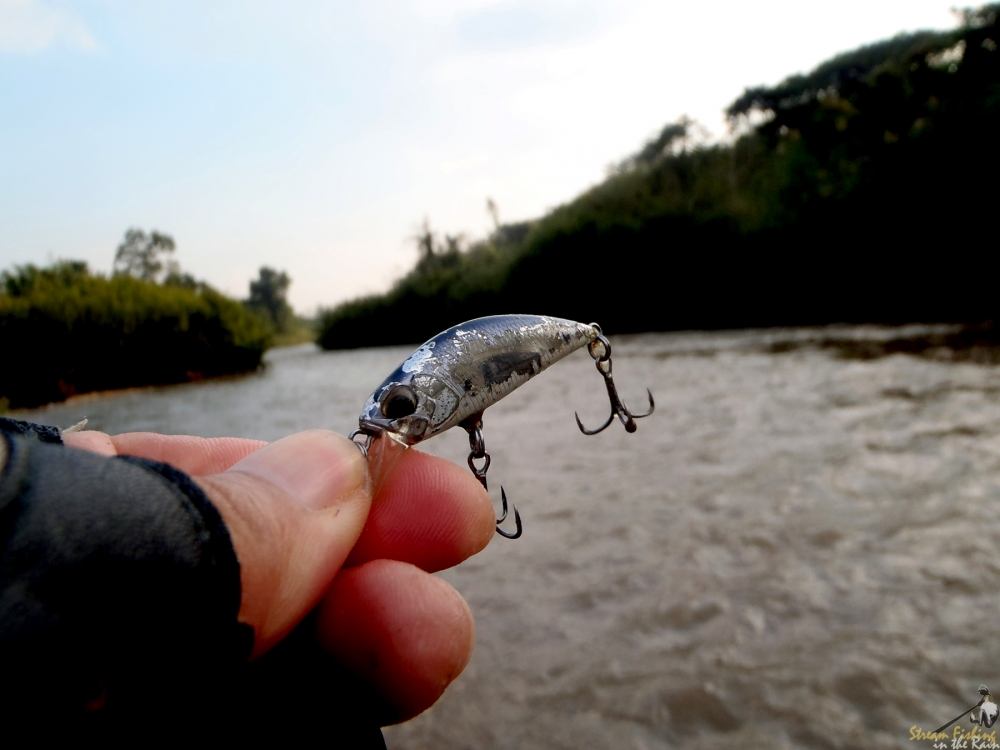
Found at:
<point>600,351</point>
<point>477,451</point>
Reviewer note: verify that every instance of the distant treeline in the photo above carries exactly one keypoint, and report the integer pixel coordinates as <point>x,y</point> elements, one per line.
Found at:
<point>64,330</point>
<point>865,191</point>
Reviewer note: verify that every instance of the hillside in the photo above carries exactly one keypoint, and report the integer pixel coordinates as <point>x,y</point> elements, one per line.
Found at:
<point>864,191</point>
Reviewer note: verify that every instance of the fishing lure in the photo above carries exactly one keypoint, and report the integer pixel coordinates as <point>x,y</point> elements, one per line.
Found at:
<point>455,376</point>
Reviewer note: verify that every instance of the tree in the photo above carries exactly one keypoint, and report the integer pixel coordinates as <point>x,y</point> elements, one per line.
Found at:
<point>21,280</point>
<point>144,256</point>
<point>494,211</point>
<point>176,277</point>
<point>269,297</point>
<point>426,242</point>
<point>671,137</point>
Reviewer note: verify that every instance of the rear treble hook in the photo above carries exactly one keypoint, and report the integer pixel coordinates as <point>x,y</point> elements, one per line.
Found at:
<point>600,351</point>
<point>477,452</point>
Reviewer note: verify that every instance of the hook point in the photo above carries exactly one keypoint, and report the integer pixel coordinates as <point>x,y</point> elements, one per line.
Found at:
<point>518,528</point>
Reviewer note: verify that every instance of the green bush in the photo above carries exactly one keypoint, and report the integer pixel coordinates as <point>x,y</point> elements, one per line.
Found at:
<point>66,331</point>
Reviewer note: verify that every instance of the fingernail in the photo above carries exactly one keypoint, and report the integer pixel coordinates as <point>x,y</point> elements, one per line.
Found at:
<point>317,468</point>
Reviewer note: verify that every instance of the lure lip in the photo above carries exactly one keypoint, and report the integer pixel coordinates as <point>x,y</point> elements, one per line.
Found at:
<point>373,432</point>
<point>407,431</point>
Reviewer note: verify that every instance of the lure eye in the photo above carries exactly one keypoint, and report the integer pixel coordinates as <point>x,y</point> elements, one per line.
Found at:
<point>400,401</point>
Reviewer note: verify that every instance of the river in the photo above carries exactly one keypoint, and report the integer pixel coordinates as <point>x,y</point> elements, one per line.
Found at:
<point>797,550</point>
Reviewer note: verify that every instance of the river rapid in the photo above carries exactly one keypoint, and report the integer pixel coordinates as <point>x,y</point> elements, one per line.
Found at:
<point>797,550</point>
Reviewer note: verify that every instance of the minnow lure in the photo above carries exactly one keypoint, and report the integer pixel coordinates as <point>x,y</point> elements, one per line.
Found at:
<point>455,376</point>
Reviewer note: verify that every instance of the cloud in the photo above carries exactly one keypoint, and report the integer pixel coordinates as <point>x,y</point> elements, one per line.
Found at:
<point>29,26</point>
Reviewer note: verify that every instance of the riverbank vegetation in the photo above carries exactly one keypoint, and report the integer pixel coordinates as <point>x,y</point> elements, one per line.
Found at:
<point>66,330</point>
<point>863,191</point>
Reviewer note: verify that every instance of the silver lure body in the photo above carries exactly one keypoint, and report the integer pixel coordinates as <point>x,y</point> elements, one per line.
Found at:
<point>466,369</point>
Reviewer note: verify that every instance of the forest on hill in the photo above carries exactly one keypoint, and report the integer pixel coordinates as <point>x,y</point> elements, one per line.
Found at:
<point>862,192</point>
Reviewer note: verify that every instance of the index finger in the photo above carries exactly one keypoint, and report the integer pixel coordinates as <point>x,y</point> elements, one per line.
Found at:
<point>193,455</point>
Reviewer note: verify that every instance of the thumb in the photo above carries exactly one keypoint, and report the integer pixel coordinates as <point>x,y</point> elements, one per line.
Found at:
<point>294,510</point>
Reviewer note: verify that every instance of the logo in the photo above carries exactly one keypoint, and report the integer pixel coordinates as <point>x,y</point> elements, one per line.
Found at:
<point>982,717</point>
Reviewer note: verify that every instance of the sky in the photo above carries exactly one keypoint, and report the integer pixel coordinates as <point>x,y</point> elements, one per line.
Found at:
<point>315,136</point>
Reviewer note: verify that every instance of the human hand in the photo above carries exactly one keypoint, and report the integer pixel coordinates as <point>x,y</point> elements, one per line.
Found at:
<point>309,536</point>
